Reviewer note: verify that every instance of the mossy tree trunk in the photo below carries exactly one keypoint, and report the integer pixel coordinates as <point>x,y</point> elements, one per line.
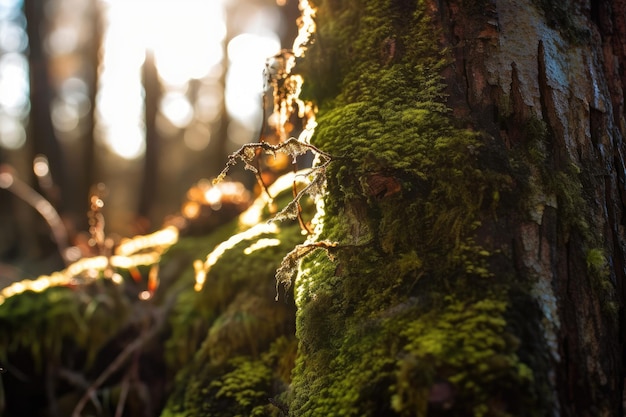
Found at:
<point>476,201</point>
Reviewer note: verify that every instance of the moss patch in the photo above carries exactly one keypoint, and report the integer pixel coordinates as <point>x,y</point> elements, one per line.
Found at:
<point>464,358</point>
<point>49,323</point>
<point>232,343</point>
<point>241,385</point>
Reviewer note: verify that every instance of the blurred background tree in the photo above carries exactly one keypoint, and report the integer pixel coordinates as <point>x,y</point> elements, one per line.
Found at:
<point>144,97</point>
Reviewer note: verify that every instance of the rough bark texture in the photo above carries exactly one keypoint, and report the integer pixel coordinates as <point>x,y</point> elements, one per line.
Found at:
<point>541,85</point>
<point>562,64</point>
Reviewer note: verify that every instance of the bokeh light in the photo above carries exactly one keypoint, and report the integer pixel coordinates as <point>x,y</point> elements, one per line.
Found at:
<point>187,40</point>
<point>14,88</point>
<point>71,104</point>
<point>10,9</point>
<point>12,133</point>
<point>13,36</point>
<point>177,108</point>
<point>14,84</point>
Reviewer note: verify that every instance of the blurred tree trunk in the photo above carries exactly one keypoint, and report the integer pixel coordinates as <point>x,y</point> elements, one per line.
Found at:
<point>41,136</point>
<point>218,149</point>
<point>40,131</point>
<point>88,165</point>
<point>152,88</point>
<point>480,252</point>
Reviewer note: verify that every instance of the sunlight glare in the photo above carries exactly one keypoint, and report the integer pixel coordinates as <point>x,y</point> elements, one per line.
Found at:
<point>161,238</point>
<point>306,27</point>
<point>202,269</point>
<point>186,37</point>
<point>247,54</point>
<point>120,97</point>
<point>261,244</point>
<point>127,140</point>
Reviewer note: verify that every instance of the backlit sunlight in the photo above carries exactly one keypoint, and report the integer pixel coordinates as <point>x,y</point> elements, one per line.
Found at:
<point>205,70</point>
<point>186,38</point>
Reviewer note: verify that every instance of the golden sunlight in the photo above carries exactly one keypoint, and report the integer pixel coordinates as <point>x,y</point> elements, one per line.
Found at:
<point>202,269</point>
<point>186,38</point>
<point>140,250</point>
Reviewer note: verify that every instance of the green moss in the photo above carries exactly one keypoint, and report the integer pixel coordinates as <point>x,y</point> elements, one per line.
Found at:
<point>465,349</point>
<point>59,318</point>
<point>236,286</point>
<point>241,385</point>
<point>231,342</point>
<point>238,390</point>
<point>600,272</point>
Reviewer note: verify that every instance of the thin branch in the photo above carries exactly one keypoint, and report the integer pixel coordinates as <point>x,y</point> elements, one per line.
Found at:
<point>10,182</point>
<point>248,152</point>
<point>121,402</point>
<point>303,225</point>
<point>259,178</point>
<point>289,265</point>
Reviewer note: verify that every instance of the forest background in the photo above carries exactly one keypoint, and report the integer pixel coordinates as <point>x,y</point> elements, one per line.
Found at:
<point>133,101</point>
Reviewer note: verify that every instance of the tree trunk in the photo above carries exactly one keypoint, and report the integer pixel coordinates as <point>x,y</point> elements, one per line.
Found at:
<point>87,162</point>
<point>152,88</point>
<point>41,132</point>
<point>479,259</point>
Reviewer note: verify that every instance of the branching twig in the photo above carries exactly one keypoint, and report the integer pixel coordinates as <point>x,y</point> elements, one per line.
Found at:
<point>121,402</point>
<point>10,182</point>
<point>289,265</point>
<point>291,210</point>
<point>248,152</point>
<point>303,225</point>
<point>293,147</point>
<point>259,178</point>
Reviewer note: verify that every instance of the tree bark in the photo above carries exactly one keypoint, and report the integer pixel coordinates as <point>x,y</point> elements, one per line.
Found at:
<point>509,206</point>
<point>562,64</point>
